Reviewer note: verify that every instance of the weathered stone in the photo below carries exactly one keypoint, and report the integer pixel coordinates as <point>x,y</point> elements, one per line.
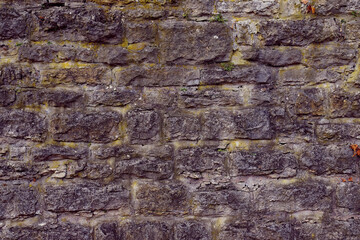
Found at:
<point>293,197</point>
<point>109,55</point>
<point>145,229</point>
<point>113,97</point>
<point>263,162</point>
<point>158,98</point>
<point>13,24</point>
<point>17,200</point>
<point>159,198</point>
<point>348,196</point>
<point>191,43</point>
<point>120,152</point>
<point>63,231</point>
<point>222,202</point>
<point>89,169</point>
<point>86,126</point>
<point>246,32</point>
<point>87,196</point>
<point>262,8</point>
<point>330,158</point>
<point>197,162</point>
<point>310,101</point>
<point>352,30</point>
<point>157,76</point>
<point>14,170</point>
<point>253,124</point>
<point>22,124</point>
<point>294,76</point>
<point>182,126</point>
<point>54,98</point>
<point>218,125</point>
<point>331,7</point>
<point>140,32</point>
<point>143,126</point>
<point>144,13</point>
<point>337,132</point>
<point>196,8</point>
<point>330,56</point>
<point>192,97</point>
<point>276,57</point>
<point>244,74</point>
<point>7,97</point>
<point>78,24</point>
<point>38,53</point>
<point>90,76</point>
<point>156,163</point>
<point>300,32</point>
<point>192,229</point>
<point>58,152</point>
<point>13,74</point>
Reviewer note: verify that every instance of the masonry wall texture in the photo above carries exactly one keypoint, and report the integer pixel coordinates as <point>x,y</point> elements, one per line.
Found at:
<point>179,119</point>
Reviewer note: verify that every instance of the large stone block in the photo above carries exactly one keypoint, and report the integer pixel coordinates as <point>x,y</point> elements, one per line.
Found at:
<point>348,196</point>
<point>23,124</point>
<point>162,198</point>
<point>192,97</point>
<point>19,75</point>
<point>54,98</point>
<point>325,56</point>
<point>154,163</point>
<point>140,32</point>
<point>241,74</point>
<point>87,196</point>
<point>62,231</point>
<point>87,75</point>
<point>275,57</point>
<point>262,8</point>
<point>149,76</point>
<point>78,24</point>
<point>182,126</point>
<point>294,196</point>
<point>58,152</point>
<point>143,126</point>
<point>134,229</point>
<point>191,42</point>
<point>300,32</point>
<point>262,161</point>
<point>196,162</point>
<point>17,200</point>
<point>13,24</point>
<point>192,229</point>
<point>7,97</point>
<point>86,126</point>
<point>113,97</point>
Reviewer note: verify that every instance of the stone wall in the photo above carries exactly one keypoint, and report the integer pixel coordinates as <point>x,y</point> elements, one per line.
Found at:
<point>179,119</point>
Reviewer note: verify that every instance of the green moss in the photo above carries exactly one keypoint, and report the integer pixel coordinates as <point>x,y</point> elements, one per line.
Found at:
<point>229,66</point>
<point>218,18</point>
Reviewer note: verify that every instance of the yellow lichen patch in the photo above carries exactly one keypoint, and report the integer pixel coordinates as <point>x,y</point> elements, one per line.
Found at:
<point>238,60</point>
<point>136,46</point>
<point>239,145</point>
<point>289,181</point>
<point>8,59</point>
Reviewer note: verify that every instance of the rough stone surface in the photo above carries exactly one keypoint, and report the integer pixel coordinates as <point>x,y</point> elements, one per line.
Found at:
<point>179,119</point>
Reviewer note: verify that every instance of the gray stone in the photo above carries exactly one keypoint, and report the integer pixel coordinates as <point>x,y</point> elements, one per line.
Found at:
<point>276,57</point>
<point>17,200</point>
<point>86,126</point>
<point>143,126</point>
<point>300,32</point>
<point>78,24</point>
<point>191,43</point>
<point>7,97</point>
<point>140,32</point>
<point>348,196</point>
<point>262,8</point>
<point>14,74</point>
<point>241,74</point>
<point>182,126</point>
<point>113,97</point>
<point>58,152</point>
<point>86,196</point>
<point>263,162</point>
<point>151,230</point>
<point>197,8</point>
<point>54,98</point>
<point>157,76</point>
<point>330,158</point>
<point>330,56</point>
<point>192,229</point>
<point>22,124</point>
<point>13,24</point>
<point>195,162</point>
<point>162,198</point>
